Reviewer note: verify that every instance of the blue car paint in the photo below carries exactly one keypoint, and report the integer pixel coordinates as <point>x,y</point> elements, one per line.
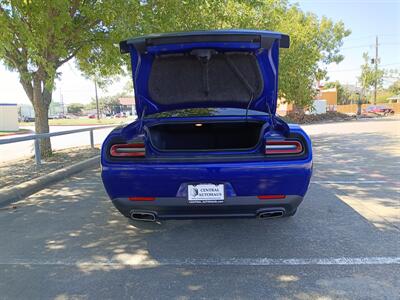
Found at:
<point>168,177</point>
<point>163,179</point>
<point>268,60</point>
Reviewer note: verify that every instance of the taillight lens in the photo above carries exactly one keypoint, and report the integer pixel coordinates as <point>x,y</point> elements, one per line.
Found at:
<point>267,197</point>
<point>128,150</point>
<point>283,147</point>
<point>141,198</point>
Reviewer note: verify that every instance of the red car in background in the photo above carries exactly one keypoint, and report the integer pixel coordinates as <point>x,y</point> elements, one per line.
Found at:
<point>379,110</point>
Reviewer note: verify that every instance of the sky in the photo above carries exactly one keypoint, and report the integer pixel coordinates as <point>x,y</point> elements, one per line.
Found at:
<point>366,19</point>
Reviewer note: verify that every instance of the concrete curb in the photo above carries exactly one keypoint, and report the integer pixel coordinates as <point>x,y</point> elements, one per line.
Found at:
<point>15,193</point>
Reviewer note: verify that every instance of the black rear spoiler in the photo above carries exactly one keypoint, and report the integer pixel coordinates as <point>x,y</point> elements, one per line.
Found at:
<point>264,38</point>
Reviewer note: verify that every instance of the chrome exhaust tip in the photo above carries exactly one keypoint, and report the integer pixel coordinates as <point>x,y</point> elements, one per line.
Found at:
<point>271,214</point>
<point>146,216</point>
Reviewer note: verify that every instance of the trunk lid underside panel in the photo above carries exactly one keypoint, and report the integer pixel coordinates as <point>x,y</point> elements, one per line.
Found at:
<point>237,69</point>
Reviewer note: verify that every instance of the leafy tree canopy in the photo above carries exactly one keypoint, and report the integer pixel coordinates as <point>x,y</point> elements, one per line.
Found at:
<point>75,108</point>
<point>314,42</point>
<point>395,87</point>
<point>38,36</point>
<point>369,75</point>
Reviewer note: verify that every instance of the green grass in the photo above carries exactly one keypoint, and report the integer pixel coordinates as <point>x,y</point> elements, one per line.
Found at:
<point>21,131</point>
<point>82,121</point>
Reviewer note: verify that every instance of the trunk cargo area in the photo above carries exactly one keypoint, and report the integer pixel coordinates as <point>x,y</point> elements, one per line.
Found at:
<point>210,136</point>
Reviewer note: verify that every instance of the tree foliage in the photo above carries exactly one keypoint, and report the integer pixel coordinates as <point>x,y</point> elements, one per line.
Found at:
<point>38,36</point>
<point>314,42</point>
<point>395,87</point>
<point>75,108</point>
<point>369,75</point>
<point>107,104</point>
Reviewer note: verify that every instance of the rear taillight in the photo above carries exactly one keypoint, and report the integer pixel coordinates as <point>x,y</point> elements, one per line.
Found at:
<point>283,147</point>
<point>128,150</point>
<point>267,197</point>
<point>141,198</point>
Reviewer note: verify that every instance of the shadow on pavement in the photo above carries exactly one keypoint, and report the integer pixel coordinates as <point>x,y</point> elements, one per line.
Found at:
<point>72,239</point>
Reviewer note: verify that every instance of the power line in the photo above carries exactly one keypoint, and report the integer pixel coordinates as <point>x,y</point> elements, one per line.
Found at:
<point>357,69</point>
<point>370,45</point>
<point>363,37</point>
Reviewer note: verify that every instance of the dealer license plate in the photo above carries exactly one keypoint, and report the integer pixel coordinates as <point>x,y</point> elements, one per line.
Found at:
<point>206,193</point>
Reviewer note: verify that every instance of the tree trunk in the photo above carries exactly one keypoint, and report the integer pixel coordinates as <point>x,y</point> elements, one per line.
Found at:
<point>41,102</point>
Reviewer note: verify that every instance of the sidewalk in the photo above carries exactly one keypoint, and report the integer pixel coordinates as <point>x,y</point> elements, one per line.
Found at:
<point>21,170</point>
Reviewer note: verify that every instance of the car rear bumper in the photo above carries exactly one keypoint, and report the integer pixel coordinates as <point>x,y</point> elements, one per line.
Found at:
<point>179,208</point>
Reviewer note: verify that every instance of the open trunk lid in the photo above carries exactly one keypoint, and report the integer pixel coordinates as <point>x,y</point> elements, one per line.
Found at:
<point>221,68</point>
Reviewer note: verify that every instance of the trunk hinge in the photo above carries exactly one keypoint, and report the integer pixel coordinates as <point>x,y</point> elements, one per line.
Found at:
<point>140,121</point>
<point>279,125</point>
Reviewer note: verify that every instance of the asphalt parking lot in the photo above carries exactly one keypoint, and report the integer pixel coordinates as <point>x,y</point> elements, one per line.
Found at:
<point>68,241</point>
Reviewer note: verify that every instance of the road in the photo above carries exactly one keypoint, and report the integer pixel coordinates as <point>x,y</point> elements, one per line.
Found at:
<point>68,241</point>
<point>15,151</point>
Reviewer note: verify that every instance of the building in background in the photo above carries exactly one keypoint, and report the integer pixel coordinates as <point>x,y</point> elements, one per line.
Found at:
<point>127,105</point>
<point>326,100</point>
<point>26,112</point>
<point>394,99</point>
<point>9,117</point>
<point>56,109</point>
<point>330,95</point>
<point>283,108</point>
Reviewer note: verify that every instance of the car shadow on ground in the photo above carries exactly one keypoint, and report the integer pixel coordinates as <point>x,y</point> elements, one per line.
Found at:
<point>74,228</point>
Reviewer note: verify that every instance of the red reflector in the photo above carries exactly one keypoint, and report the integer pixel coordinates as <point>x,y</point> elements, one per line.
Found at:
<point>264,197</point>
<point>130,150</point>
<point>142,198</point>
<point>283,147</point>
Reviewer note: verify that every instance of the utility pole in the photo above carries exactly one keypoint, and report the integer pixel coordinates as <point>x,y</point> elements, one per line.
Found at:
<point>97,100</point>
<point>376,69</point>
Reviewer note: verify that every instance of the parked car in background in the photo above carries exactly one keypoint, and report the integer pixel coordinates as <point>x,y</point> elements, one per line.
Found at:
<point>92,116</point>
<point>27,119</point>
<point>207,142</point>
<point>379,110</point>
<point>58,116</point>
<point>120,115</point>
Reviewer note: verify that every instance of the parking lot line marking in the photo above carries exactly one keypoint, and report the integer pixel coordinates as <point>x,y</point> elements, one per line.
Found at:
<point>349,181</point>
<point>352,261</point>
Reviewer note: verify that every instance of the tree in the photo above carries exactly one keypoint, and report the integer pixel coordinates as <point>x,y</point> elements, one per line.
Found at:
<point>107,104</point>
<point>369,75</point>
<point>395,87</point>
<point>75,108</point>
<point>39,36</point>
<point>314,42</point>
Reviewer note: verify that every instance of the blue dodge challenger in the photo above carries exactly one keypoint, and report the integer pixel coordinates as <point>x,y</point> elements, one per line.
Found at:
<point>207,142</point>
